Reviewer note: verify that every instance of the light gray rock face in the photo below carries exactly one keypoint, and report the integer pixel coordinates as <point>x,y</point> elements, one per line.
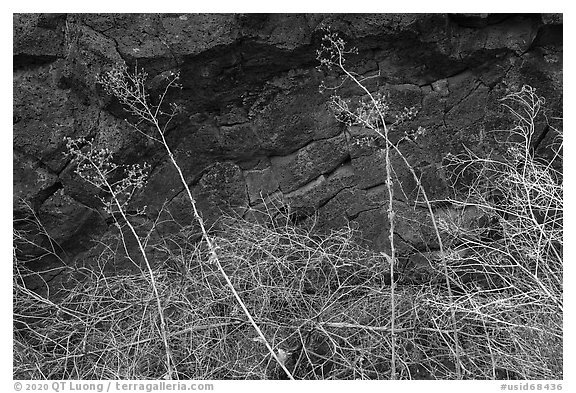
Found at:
<point>254,125</point>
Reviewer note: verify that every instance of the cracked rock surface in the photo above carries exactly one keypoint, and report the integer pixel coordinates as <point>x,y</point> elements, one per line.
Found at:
<point>254,124</point>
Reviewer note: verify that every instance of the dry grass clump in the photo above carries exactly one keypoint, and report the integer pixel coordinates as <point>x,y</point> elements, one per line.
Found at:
<point>510,267</point>
<point>322,302</point>
<point>311,296</point>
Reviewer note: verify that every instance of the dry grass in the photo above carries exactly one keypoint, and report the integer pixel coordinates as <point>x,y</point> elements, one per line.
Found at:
<point>323,303</point>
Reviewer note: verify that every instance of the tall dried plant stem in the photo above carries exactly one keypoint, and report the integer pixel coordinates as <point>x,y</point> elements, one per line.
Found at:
<point>170,368</point>
<point>383,133</point>
<point>390,209</point>
<point>214,255</point>
<point>137,103</point>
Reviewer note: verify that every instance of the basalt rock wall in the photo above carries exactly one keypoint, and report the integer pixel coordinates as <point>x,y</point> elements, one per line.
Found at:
<point>255,131</point>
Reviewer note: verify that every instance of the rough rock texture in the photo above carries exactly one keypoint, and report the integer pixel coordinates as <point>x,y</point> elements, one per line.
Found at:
<point>254,122</point>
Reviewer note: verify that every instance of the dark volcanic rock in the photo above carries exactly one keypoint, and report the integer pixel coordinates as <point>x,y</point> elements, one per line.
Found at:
<point>260,183</point>
<point>44,114</point>
<point>220,191</point>
<point>253,123</point>
<point>36,182</point>
<point>66,220</point>
<point>38,38</point>
<point>309,162</point>
<point>319,191</point>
